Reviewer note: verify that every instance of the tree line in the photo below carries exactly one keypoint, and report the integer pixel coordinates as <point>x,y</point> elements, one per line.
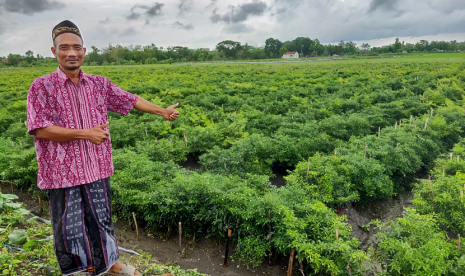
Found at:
<point>233,50</point>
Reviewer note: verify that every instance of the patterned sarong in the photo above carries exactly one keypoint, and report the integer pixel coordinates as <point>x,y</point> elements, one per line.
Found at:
<point>84,238</point>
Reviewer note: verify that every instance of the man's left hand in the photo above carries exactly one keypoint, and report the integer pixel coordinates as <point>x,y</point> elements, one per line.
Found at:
<point>171,113</point>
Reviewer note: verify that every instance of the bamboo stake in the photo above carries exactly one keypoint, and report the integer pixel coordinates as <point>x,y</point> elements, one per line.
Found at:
<point>431,187</point>
<point>185,138</point>
<point>135,223</point>
<point>458,241</point>
<point>180,235</point>
<point>395,128</point>
<point>225,264</point>
<point>349,270</point>
<point>308,169</point>
<point>291,261</point>
<point>146,134</point>
<point>337,234</point>
<point>426,123</point>
<point>302,269</point>
<point>335,152</point>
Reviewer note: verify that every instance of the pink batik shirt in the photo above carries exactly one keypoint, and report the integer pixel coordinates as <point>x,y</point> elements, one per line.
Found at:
<point>54,100</point>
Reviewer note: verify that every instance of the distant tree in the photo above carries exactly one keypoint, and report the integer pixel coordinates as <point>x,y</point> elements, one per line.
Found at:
<point>14,59</point>
<point>350,48</point>
<point>272,47</point>
<point>365,48</point>
<point>282,51</point>
<point>30,57</point>
<point>229,48</point>
<point>397,47</point>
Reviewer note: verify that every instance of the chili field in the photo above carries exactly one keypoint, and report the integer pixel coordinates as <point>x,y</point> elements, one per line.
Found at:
<point>342,132</point>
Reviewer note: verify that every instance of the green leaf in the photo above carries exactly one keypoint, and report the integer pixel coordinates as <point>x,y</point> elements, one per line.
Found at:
<point>32,244</point>
<point>23,211</point>
<point>48,239</point>
<point>13,205</point>
<point>8,196</point>
<point>18,237</point>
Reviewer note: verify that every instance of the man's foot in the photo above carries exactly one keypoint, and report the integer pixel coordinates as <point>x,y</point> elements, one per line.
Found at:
<point>118,267</point>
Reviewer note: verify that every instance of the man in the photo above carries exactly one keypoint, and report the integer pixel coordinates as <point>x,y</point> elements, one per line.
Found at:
<point>67,114</point>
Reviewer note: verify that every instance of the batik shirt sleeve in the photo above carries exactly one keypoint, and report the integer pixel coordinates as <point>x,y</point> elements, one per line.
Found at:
<point>118,100</point>
<point>39,112</point>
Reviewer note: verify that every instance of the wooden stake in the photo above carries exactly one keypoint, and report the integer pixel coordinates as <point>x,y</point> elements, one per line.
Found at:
<point>337,234</point>
<point>349,270</point>
<point>443,170</point>
<point>302,269</point>
<point>335,152</point>
<point>458,241</point>
<point>135,223</point>
<point>146,134</point>
<point>410,122</point>
<point>426,123</point>
<point>291,261</point>
<point>156,141</point>
<point>308,169</point>
<point>180,235</point>
<point>395,128</point>
<point>458,158</point>
<point>225,264</point>
<point>185,138</point>
<point>379,132</point>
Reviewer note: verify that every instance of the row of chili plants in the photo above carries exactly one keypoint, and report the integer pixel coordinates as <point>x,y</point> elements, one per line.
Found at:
<point>319,122</point>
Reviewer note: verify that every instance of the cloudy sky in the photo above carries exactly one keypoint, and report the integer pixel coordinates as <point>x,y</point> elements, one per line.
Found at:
<point>27,24</point>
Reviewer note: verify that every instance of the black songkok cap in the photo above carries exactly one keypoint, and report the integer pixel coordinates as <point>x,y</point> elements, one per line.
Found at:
<point>65,27</point>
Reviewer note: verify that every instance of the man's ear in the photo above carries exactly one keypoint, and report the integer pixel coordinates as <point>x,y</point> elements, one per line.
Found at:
<point>53,51</point>
<point>85,50</point>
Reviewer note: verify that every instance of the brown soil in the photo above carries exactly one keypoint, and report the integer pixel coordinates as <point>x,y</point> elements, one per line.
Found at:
<point>203,254</point>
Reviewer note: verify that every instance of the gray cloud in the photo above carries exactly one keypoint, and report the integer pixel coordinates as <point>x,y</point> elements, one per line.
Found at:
<point>240,13</point>
<point>148,11</point>
<point>30,7</point>
<point>385,5</point>
<point>180,25</point>
<point>184,6</point>
<point>107,20</point>
<point>237,28</point>
<point>131,31</point>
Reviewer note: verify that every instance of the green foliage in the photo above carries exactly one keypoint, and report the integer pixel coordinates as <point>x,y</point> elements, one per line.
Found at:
<point>245,122</point>
<point>413,245</point>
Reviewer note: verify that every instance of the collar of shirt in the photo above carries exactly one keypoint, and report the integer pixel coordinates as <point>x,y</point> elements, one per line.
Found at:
<point>63,77</point>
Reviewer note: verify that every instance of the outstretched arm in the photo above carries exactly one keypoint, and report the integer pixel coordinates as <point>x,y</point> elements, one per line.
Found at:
<point>95,135</point>
<point>168,113</point>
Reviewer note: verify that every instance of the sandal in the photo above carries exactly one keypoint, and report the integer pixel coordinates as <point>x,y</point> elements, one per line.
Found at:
<point>128,270</point>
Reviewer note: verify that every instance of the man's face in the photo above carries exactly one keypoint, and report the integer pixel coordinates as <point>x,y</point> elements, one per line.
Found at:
<point>69,51</point>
